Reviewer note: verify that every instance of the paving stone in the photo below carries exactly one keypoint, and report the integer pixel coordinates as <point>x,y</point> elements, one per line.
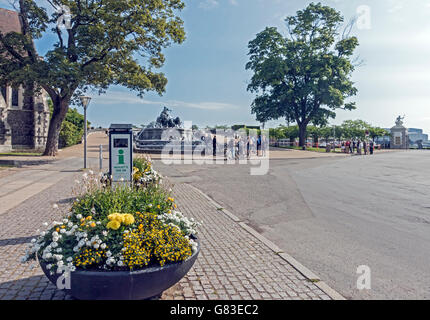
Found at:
<point>232,264</point>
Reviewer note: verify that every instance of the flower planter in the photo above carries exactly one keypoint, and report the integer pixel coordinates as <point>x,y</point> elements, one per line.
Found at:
<point>124,285</point>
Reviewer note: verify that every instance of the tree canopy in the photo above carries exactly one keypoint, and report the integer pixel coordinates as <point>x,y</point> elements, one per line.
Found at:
<point>306,75</point>
<point>108,42</point>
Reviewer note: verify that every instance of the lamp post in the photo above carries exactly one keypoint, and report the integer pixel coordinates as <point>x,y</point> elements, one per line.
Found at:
<point>85,102</point>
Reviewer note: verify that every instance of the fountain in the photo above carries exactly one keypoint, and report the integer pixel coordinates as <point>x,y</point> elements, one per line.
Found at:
<point>165,131</point>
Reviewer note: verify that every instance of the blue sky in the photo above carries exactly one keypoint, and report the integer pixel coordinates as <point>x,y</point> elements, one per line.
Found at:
<point>207,76</point>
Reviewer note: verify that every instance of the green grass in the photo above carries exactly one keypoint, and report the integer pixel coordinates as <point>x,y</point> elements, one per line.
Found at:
<point>20,154</point>
<point>5,166</point>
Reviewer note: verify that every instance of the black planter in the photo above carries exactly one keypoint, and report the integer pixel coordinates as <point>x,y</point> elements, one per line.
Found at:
<point>124,285</point>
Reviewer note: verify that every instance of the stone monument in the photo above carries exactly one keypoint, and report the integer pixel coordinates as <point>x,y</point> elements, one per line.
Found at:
<point>399,135</point>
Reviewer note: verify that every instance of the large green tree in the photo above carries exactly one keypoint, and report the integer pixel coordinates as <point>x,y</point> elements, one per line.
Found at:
<point>108,42</point>
<point>305,75</point>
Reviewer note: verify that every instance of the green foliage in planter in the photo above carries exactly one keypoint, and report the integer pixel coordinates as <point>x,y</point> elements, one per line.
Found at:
<point>121,200</point>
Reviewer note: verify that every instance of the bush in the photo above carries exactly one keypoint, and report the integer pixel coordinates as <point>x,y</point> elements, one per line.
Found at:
<point>72,128</point>
<point>70,135</point>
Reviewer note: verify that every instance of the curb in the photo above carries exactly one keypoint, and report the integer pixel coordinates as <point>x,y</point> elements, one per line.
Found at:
<point>308,274</point>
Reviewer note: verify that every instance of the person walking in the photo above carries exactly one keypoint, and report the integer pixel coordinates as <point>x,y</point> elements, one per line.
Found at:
<point>359,147</point>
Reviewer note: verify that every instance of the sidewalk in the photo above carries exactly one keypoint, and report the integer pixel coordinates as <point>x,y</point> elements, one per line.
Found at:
<point>233,263</point>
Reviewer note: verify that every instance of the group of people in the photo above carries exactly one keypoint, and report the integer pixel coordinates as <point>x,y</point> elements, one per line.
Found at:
<point>359,147</point>
<point>239,147</point>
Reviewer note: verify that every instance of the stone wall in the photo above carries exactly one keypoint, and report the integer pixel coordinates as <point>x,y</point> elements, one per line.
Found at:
<point>22,128</point>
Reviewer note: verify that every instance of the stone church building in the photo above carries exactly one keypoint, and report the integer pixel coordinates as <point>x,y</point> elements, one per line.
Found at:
<point>24,120</point>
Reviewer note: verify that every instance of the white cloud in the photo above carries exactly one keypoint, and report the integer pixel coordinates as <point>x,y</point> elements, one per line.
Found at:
<point>119,97</point>
<point>208,4</point>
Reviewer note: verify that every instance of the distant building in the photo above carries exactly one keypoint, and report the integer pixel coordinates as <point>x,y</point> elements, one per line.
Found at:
<point>24,120</point>
<point>417,135</point>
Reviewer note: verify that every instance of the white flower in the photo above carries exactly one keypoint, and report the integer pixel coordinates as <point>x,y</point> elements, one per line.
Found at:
<point>79,216</point>
<point>103,246</point>
<point>105,233</point>
<point>33,240</point>
<point>69,259</point>
<point>91,172</point>
<point>55,206</point>
<point>59,250</point>
<point>48,266</point>
<point>108,254</point>
<point>120,263</point>
<point>85,176</point>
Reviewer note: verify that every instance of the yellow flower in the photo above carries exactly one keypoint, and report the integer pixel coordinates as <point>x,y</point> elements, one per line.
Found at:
<point>114,225</point>
<point>93,225</point>
<point>116,217</point>
<point>128,219</point>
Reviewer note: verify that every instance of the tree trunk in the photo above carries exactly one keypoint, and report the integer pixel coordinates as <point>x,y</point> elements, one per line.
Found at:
<point>302,135</point>
<point>58,116</point>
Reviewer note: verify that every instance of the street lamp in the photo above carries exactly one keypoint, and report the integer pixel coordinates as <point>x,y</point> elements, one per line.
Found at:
<point>85,102</point>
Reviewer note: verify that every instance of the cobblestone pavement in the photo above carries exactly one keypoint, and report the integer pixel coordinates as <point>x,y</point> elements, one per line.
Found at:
<point>233,264</point>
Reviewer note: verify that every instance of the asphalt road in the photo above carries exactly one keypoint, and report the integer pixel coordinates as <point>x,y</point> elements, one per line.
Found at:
<point>335,214</point>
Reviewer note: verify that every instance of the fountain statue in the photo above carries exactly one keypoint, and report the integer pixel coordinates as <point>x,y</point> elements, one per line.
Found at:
<point>165,130</point>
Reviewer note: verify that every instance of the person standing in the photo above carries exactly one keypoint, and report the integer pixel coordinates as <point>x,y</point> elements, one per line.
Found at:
<point>353,146</point>
<point>359,147</point>
<point>259,146</point>
<point>248,147</point>
<point>371,147</point>
<point>264,145</point>
<point>232,146</point>
<point>365,147</point>
<point>214,146</point>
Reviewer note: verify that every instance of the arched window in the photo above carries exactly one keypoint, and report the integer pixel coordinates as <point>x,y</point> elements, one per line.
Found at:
<point>15,97</point>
